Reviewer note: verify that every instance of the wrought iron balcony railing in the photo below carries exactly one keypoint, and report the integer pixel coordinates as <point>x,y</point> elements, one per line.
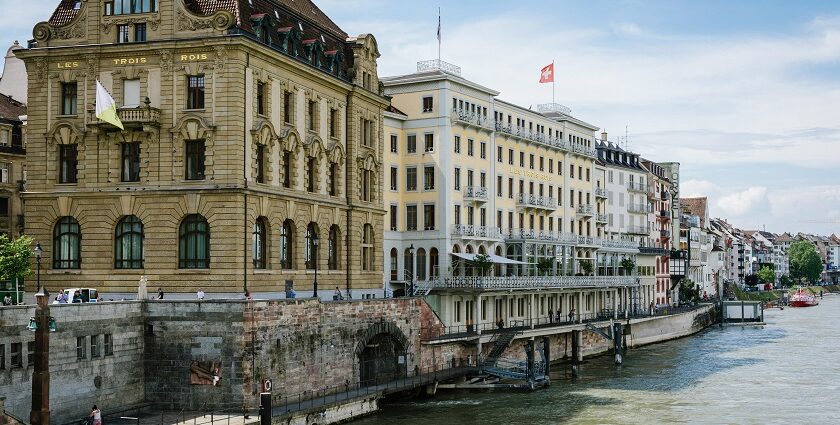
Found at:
<point>476,193</point>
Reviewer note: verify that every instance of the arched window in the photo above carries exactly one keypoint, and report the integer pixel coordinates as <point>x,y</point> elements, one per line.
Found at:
<point>258,245</point>
<point>498,266</point>
<point>456,263</point>
<point>67,237</point>
<point>394,263</point>
<point>433,263</point>
<point>194,243</point>
<point>287,238</point>
<point>481,250</point>
<point>367,247</point>
<point>310,252</point>
<point>421,264</point>
<point>128,243</point>
<point>408,263</point>
<point>332,253</point>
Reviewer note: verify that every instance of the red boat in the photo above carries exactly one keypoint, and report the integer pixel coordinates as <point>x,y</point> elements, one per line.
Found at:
<point>803,298</point>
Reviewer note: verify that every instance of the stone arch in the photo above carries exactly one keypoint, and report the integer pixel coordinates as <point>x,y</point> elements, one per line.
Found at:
<point>193,127</point>
<point>65,133</point>
<point>381,353</point>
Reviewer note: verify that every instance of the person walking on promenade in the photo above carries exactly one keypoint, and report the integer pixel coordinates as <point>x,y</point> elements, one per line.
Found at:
<point>200,294</point>
<point>160,293</point>
<point>95,416</point>
<point>572,315</point>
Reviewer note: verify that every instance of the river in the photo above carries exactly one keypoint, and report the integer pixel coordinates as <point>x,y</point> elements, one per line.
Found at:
<point>786,372</point>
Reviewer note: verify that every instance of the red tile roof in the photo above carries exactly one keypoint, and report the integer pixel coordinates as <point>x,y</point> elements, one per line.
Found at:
<point>11,109</point>
<point>64,13</point>
<point>695,206</point>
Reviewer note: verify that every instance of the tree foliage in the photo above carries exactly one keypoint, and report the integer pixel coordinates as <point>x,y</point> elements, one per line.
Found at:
<point>688,291</point>
<point>483,263</point>
<point>751,280</point>
<point>786,281</point>
<point>544,265</point>
<point>805,262</point>
<point>628,265</point>
<point>586,267</point>
<point>15,257</point>
<point>767,274</point>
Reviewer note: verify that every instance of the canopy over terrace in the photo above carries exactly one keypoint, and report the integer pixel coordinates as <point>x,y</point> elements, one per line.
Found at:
<point>470,257</point>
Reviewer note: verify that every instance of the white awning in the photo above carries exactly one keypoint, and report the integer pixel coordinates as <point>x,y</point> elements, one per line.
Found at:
<point>494,258</point>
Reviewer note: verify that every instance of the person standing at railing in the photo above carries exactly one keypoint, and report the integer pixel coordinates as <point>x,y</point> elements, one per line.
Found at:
<point>572,315</point>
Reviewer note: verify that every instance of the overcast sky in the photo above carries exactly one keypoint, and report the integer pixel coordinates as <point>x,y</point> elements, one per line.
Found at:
<point>745,95</point>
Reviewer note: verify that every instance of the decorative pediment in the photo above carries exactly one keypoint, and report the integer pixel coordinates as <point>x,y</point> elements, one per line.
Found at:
<point>368,163</point>
<point>289,139</point>
<point>65,133</point>
<point>314,145</point>
<point>336,154</point>
<point>193,127</point>
<point>263,133</point>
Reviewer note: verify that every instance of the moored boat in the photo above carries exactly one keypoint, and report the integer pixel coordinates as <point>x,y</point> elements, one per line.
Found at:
<point>803,298</point>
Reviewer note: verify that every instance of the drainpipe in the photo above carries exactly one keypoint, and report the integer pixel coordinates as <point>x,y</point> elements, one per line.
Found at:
<point>245,189</point>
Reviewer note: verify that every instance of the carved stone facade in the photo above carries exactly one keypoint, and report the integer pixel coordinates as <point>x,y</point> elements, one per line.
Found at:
<point>234,154</point>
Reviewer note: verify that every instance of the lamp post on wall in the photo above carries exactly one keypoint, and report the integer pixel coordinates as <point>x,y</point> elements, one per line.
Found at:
<point>38,252</point>
<point>42,324</point>
<point>315,243</point>
<point>411,273</point>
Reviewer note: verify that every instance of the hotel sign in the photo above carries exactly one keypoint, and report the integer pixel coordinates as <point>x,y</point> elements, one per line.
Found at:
<point>530,174</point>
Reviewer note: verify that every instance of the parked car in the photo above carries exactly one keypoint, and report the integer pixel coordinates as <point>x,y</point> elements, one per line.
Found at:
<point>88,295</point>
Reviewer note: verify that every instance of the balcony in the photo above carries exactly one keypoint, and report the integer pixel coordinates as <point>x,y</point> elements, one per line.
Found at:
<point>663,215</point>
<point>618,244</point>
<point>526,135</point>
<point>664,195</point>
<point>141,117</point>
<point>638,230</point>
<point>538,235</point>
<point>638,208</point>
<point>637,187</point>
<point>534,201</point>
<point>665,234</point>
<point>601,218</point>
<point>460,283</point>
<point>650,250</point>
<point>471,119</point>
<point>475,193</point>
<point>469,231</point>
<point>600,193</point>
<point>585,209</point>
<point>588,241</point>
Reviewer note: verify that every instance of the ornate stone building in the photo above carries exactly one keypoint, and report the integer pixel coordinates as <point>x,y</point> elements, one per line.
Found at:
<point>253,131</point>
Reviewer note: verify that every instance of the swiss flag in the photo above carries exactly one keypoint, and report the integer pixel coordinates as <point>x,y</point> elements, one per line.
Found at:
<point>547,74</point>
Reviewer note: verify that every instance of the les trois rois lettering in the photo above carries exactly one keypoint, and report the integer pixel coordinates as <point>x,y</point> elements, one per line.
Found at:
<point>530,174</point>
<point>189,57</point>
<point>130,61</point>
<point>67,64</point>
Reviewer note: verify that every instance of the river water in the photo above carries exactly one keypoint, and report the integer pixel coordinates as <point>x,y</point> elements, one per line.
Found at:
<point>786,372</point>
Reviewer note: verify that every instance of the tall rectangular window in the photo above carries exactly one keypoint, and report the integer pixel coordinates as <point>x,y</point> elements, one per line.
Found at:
<point>521,159</point>
<point>30,353</point>
<point>457,214</point>
<point>411,143</point>
<point>457,179</point>
<point>130,162</point>
<point>131,93</point>
<point>312,116</point>
<point>429,217</point>
<point>16,357</point>
<point>411,217</point>
<point>334,123</point>
<point>260,163</point>
<point>109,344</point>
<point>411,178</point>
<point>288,105</point>
<point>194,160</point>
<point>499,186</point>
<point>510,188</point>
<point>68,98</point>
<point>122,33</point>
<point>67,163</point>
<point>429,142</point>
<point>428,178</point>
<point>195,91</point>
<point>427,104</point>
<point>311,173</point>
<point>394,217</point>
<point>287,169</point>
<point>261,98</point>
<point>394,142</point>
<point>499,152</point>
<point>333,179</point>
<point>470,148</point>
<point>94,346</point>
<point>81,349</point>
<point>139,32</point>
<point>5,172</point>
<point>394,179</point>
<point>457,144</point>
<point>531,161</point>
<point>510,156</point>
<point>483,151</point>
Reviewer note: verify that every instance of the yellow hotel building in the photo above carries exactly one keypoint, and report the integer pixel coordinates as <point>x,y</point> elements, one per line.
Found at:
<point>468,174</point>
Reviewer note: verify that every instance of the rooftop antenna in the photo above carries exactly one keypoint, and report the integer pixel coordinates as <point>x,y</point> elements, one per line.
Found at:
<point>438,34</point>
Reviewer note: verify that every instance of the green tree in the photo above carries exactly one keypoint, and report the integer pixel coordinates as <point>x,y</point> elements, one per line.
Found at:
<point>628,265</point>
<point>544,265</point>
<point>15,258</point>
<point>688,291</point>
<point>786,281</point>
<point>767,275</point>
<point>586,267</point>
<point>483,263</point>
<point>805,262</point>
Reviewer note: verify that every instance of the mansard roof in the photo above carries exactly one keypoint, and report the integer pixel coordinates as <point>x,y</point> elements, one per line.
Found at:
<point>10,109</point>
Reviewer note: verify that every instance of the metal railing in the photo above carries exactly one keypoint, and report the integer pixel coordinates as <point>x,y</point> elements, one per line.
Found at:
<point>539,235</point>
<point>470,117</point>
<point>536,201</point>
<point>437,64</point>
<point>510,283</point>
<point>638,208</point>
<point>637,187</point>
<point>638,230</point>
<point>475,192</point>
<point>585,209</point>
<point>601,193</point>
<point>470,230</point>
<point>601,218</point>
<point>525,134</point>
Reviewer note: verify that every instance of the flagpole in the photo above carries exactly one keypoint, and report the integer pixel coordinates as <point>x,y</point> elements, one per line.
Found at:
<point>438,34</point>
<point>552,82</point>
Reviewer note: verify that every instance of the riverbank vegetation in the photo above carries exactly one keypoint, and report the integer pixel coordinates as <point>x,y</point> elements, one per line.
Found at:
<point>776,293</point>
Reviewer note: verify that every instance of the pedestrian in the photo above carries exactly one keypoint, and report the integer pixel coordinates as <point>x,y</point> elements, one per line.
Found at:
<point>572,315</point>
<point>77,297</point>
<point>160,293</point>
<point>248,295</point>
<point>559,316</point>
<point>95,416</point>
<point>292,293</point>
<point>64,297</point>
<point>337,294</point>
<point>7,300</point>
<point>650,308</point>
<point>500,323</point>
<point>200,294</point>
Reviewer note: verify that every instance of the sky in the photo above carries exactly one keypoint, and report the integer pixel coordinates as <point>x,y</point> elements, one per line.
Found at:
<point>744,95</point>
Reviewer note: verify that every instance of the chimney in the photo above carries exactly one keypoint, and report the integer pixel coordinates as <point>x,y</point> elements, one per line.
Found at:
<point>604,136</point>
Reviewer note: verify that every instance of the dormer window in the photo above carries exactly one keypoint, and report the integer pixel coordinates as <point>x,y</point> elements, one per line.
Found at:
<point>127,7</point>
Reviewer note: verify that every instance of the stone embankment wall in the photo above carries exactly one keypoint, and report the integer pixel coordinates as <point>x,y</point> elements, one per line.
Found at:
<point>302,345</point>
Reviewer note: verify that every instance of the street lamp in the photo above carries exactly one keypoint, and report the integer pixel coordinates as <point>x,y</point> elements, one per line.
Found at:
<point>411,272</point>
<point>315,243</point>
<point>38,252</point>
<point>40,412</point>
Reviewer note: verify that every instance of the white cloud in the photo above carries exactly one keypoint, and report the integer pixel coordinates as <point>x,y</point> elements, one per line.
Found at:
<point>752,201</point>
